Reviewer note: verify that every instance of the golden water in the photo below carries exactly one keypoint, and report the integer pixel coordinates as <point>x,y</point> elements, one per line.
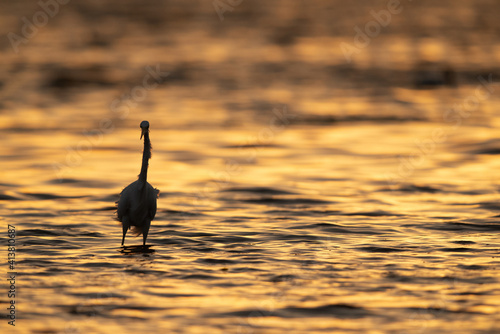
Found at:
<point>299,194</point>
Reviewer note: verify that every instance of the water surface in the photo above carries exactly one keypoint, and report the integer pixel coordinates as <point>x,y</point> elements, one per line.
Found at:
<point>299,193</point>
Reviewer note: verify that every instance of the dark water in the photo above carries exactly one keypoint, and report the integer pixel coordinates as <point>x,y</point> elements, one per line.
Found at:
<point>300,193</point>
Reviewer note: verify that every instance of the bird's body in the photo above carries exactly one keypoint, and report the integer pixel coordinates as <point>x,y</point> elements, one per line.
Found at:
<point>137,203</point>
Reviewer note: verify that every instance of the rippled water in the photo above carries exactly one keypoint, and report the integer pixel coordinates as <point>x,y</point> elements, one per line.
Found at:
<point>299,194</point>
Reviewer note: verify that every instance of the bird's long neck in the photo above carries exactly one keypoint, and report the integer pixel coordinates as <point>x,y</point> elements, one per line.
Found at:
<point>146,155</point>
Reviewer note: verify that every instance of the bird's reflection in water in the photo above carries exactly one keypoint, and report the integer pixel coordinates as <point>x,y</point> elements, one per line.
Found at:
<point>137,249</point>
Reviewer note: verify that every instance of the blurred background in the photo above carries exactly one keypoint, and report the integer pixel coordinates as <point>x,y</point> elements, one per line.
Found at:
<point>282,131</point>
<point>240,59</point>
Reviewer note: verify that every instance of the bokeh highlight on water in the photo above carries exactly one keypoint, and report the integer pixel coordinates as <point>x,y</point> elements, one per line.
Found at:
<point>300,192</point>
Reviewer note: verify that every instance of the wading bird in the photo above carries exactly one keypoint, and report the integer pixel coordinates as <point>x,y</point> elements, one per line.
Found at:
<point>137,203</point>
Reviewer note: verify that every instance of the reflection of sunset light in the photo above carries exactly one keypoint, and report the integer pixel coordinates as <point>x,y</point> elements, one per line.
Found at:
<point>300,192</point>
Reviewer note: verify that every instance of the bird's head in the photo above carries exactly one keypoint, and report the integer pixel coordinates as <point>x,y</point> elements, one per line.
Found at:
<point>144,127</point>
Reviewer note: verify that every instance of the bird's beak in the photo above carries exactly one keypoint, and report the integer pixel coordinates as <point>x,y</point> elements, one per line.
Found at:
<point>142,133</point>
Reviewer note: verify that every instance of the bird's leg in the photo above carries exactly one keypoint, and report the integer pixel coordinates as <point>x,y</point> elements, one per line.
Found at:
<point>124,233</point>
<point>125,228</point>
<point>145,231</point>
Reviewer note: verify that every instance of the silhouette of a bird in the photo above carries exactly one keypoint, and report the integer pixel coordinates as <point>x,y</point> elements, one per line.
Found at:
<point>137,203</point>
